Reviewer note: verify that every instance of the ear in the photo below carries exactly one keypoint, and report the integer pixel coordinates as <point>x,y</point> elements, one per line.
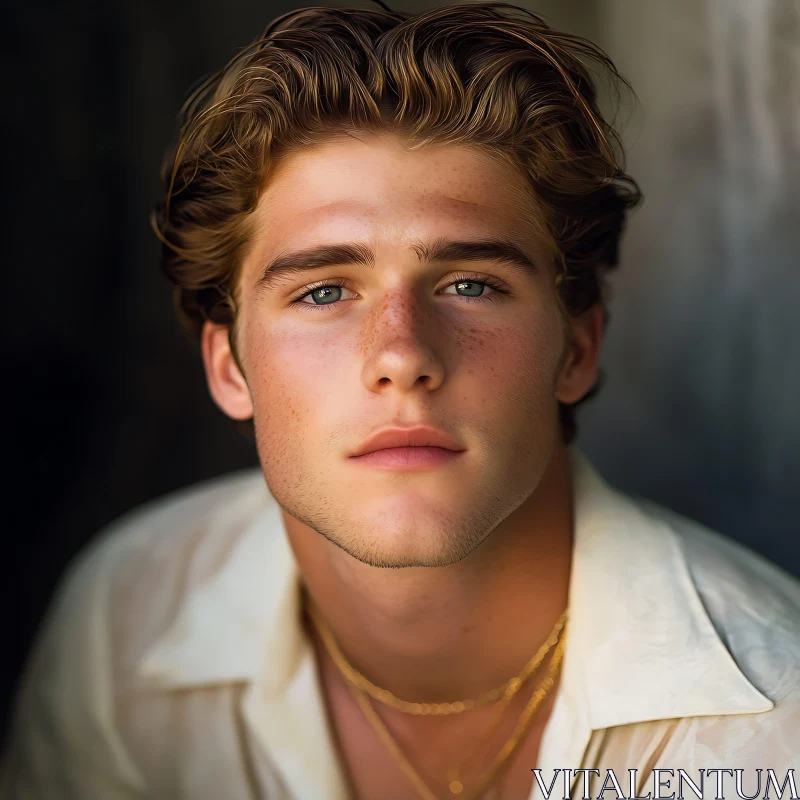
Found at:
<point>226,383</point>
<point>581,361</point>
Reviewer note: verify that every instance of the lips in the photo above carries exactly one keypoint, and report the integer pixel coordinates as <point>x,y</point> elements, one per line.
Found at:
<point>420,436</point>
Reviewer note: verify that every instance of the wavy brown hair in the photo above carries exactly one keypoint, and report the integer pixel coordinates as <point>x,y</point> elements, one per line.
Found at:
<point>491,75</point>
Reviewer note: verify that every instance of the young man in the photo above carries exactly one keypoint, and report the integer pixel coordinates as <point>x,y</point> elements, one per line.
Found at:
<point>390,236</point>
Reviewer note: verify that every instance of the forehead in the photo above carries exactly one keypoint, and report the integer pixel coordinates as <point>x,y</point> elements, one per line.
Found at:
<point>378,189</point>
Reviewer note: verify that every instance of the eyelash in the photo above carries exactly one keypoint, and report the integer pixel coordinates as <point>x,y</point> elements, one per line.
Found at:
<point>487,280</point>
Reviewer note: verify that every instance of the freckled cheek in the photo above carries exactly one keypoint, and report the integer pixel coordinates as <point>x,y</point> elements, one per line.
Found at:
<point>294,376</point>
<point>513,362</point>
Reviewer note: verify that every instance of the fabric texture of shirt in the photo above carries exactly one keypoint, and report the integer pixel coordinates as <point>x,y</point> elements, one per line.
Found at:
<point>173,663</point>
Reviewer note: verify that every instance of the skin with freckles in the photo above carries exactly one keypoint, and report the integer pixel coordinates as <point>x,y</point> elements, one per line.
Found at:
<point>400,346</point>
<point>438,583</point>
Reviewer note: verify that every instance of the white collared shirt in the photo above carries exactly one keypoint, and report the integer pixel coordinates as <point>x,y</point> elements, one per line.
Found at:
<point>173,663</point>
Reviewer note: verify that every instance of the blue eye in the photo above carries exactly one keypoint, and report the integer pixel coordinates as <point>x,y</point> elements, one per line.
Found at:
<point>322,294</point>
<point>471,285</point>
<point>327,294</point>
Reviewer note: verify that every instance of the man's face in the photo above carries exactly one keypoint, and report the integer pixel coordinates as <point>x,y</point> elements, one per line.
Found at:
<point>403,341</point>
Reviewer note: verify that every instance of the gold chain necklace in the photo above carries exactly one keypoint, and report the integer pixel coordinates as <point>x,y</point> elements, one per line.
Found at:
<point>456,787</point>
<point>354,677</point>
<point>356,683</point>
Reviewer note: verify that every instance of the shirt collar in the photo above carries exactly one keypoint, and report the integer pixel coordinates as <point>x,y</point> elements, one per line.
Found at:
<point>640,646</point>
<point>641,638</point>
<point>242,623</point>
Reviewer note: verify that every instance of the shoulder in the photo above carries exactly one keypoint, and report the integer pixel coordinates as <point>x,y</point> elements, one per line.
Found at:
<point>118,594</point>
<point>209,508</point>
<point>747,596</point>
<point>139,568</point>
<point>754,606</point>
<point>167,525</point>
<point>159,545</point>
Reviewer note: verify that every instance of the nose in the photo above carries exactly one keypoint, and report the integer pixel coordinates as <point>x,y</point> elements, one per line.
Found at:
<point>399,347</point>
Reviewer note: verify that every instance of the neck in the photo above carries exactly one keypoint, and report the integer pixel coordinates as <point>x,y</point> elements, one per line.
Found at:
<point>449,633</point>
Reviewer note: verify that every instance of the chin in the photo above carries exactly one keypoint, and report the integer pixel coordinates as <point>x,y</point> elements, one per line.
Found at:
<point>422,541</point>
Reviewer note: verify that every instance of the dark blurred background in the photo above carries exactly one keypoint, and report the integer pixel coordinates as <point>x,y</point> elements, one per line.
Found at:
<point>109,406</point>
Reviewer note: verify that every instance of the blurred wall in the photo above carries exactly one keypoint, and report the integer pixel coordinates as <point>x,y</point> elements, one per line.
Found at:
<point>108,400</point>
<point>701,409</point>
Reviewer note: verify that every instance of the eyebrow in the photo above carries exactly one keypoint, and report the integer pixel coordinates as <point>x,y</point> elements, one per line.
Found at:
<point>288,265</point>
